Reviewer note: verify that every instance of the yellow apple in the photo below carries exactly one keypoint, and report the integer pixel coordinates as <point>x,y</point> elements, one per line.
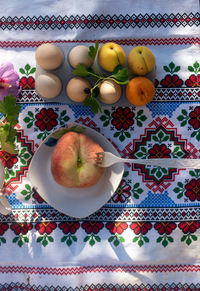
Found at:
<point>110,55</point>
<point>141,60</point>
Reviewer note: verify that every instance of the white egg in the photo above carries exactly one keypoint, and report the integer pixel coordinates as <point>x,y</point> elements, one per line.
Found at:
<point>110,92</point>
<point>79,55</point>
<point>49,56</point>
<point>78,89</point>
<point>48,85</point>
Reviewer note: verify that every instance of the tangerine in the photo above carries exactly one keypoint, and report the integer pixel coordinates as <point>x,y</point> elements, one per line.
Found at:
<point>140,91</point>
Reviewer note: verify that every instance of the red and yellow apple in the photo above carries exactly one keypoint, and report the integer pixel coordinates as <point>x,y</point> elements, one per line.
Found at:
<point>141,60</point>
<point>110,55</point>
<point>73,161</point>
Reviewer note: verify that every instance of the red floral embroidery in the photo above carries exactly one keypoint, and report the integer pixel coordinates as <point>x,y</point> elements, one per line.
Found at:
<point>195,118</point>
<point>165,227</point>
<point>69,227</point>
<point>193,190</point>
<point>171,81</point>
<point>122,193</point>
<point>45,227</point>
<point>22,228</point>
<point>27,83</point>
<point>159,151</point>
<point>92,226</point>
<point>116,227</point>
<point>46,119</point>
<point>141,227</point>
<point>3,227</point>
<point>193,81</point>
<point>189,226</point>
<point>123,118</point>
<point>37,197</point>
<point>8,160</point>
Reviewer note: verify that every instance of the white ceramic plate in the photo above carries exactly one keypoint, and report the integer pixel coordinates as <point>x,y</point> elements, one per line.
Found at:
<point>74,202</point>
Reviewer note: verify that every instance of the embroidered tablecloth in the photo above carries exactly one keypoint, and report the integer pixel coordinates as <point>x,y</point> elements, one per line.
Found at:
<point>147,236</point>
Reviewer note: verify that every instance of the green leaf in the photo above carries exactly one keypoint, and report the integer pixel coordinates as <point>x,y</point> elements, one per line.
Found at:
<point>93,50</point>
<point>28,187</point>
<point>177,69</point>
<point>184,123</point>
<point>111,238</point>
<point>116,242</point>
<point>146,239</point>
<point>140,154</point>
<point>192,173</point>
<point>121,239</point>
<point>27,119</point>
<point>170,239</point>
<point>159,239</point>
<point>26,156</point>
<point>143,118</point>
<point>40,135</point>
<point>30,113</point>
<point>23,161</point>
<point>166,69</point>
<point>160,135</point>
<point>81,71</point>
<point>117,134</point>
<point>196,65</point>
<point>198,136</point>
<point>3,240</point>
<point>30,125</point>
<point>139,123</point>
<point>135,239</point>
<point>194,237</point>
<point>74,238</point>
<point>39,239</point>
<point>140,242</point>
<point>180,195</point>
<point>45,242</point>
<point>106,123</point>
<point>140,190</point>
<point>136,196</point>
<point>97,238</point>
<point>28,197</point>
<point>136,185</point>
<point>63,113</point>
<point>92,242</point>
<point>180,117</point>
<point>63,239</point>
<point>172,65</point>
<point>127,134</point>
<point>164,243</point>
<point>103,118</point>
<point>86,238</point>
<point>183,237</point>
<point>107,112</point>
<point>194,133</point>
<point>15,239</point>
<point>20,243</point>
<point>190,68</point>
<point>126,173</point>
<point>32,71</point>
<point>121,76</point>
<point>122,137</point>
<point>188,241</point>
<point>26,239</point>
<point>22,71</point>
<point>176,190</point>
<point>50,238</point>
<point>27,67</point>
<point>184,112</point>
<point>24,192</point>
<point>140,112</point>
<point>93,104</point>
<point>180,184</point>
<point>159,173</point>
<point>155,138</point>
<point>69,242</point>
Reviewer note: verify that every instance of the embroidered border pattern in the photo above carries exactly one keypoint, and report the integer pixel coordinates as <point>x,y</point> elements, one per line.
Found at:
<point>100,287</point>
<point>99,21</point>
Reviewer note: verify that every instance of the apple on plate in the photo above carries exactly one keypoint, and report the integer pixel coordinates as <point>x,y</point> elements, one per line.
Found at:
<point>141,60</point>
<point>111,55</point>
<point>73,161</point>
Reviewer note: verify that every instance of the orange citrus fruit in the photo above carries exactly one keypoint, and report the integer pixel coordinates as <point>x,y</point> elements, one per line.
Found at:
<point>140,91</point>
